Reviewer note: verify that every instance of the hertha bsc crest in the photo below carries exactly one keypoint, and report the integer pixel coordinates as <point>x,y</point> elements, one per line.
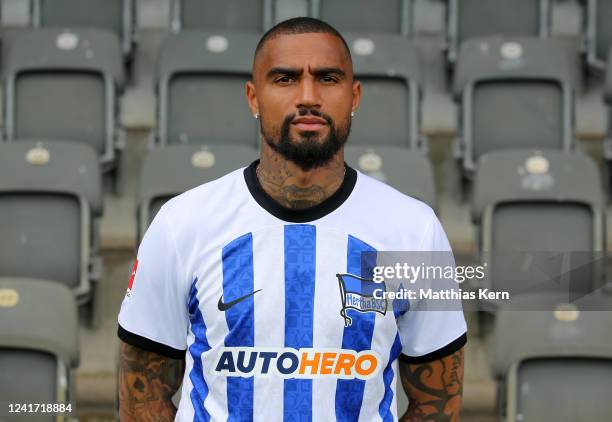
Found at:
<point>358,293</point>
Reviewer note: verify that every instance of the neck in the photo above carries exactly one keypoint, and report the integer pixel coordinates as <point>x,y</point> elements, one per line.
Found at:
<point>293,187</point>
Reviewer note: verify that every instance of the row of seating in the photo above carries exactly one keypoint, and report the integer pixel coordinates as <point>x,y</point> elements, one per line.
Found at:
<point>512,92</point>
<point>464,18</point>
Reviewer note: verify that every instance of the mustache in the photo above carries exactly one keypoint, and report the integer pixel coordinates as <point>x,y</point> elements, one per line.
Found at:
<point>304,111</point>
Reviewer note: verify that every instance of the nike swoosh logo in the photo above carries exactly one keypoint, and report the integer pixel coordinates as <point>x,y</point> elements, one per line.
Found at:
<point>225,306</point>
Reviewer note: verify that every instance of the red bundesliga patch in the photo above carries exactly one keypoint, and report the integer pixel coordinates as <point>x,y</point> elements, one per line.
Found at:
<point>133,276</point>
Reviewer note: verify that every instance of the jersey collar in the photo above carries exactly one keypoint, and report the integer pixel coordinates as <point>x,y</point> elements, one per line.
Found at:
<point>299,215</point>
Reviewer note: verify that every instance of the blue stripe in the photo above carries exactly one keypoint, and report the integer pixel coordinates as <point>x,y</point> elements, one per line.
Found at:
<point>199,346</point>
<point>358,336</point>
<point>384,409</point>
<point>237,259</point>
<point>300,265</point>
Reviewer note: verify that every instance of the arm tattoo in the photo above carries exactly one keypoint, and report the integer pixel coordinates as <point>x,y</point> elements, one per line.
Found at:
<point>147,382</point>
<point>434,389</point>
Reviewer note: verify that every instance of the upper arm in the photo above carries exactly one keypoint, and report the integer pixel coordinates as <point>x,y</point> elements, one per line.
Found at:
<point>147,382</point>
<point>154,314</point>
<point>433,388</point>
<point>433,334</point>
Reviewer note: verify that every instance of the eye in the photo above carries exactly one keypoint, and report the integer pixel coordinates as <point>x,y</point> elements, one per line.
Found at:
<point>284,80</point>
<point>328,79</point>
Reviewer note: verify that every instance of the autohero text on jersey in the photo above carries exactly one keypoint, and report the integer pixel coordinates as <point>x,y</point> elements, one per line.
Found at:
<point>293,363</point>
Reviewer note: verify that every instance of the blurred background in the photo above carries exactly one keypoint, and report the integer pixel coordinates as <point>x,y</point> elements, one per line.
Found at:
<point>494,112</point>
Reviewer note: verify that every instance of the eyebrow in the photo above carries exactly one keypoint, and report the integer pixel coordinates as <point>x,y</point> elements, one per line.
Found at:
<point>289,71</point>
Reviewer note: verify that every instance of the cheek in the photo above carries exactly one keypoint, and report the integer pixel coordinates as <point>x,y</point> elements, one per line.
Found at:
<point>339,104</point>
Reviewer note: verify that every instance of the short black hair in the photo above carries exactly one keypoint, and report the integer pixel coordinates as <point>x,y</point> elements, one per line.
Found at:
<point>301,25</point>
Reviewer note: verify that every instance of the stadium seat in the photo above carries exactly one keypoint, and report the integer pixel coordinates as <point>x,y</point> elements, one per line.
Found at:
<point>118,16</point>
<point>63,85</point>
<point>598,14</point>
<point>170,171</point>
<point>558,365</point>
<point>201,79</point>
<point>408,171</point>
<point>215,15</point>
<point>388,67</point>
<point>501,17</point>
<point>512,93</point>
<point>50,205</point>
<point>607,96</point>
<point>365,16</point>
<point>536,205</point>
<point>39,345</point>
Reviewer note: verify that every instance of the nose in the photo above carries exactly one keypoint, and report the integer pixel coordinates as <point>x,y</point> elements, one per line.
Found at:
<point>308,95</point>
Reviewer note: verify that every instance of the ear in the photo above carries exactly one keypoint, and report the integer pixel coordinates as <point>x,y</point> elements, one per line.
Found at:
<point>252,98</point>
<point>356,95</point>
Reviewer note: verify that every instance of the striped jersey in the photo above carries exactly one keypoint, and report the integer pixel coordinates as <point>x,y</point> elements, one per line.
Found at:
<point>271,308</point>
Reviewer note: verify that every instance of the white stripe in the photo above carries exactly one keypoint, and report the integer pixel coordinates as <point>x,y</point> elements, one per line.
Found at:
<point>331,259</point>
<point>269,275</point>
<point>185,410</point>
<point>210,289</point>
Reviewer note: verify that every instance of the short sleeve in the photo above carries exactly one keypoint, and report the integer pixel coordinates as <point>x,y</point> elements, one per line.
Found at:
<point>431,334</point>
<point>154,314</point>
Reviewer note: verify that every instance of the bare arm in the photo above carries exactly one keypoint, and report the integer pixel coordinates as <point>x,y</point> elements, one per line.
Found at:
<point>147,382</point>
<point>434,389</point>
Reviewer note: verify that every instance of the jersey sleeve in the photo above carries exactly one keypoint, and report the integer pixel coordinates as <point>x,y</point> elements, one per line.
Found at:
<point>430,332</point>
<point>154,313</point>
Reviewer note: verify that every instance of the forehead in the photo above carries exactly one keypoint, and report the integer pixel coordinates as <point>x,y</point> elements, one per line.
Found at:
<point>302,51</point>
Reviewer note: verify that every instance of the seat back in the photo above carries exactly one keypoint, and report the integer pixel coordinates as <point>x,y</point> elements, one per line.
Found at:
<point>49,193</point>
<point>406,170</point>
<point>38,341</point>
<point>170,171</point>
<point>221,15</point>
<point>29,377</point>
<point>558,341</point>
<point>513,93</point>
<point>201,82</point>
<point>503,17</point>
<point>521,200</point>
<point>540,382</point>
<point>384,16</point>
<point>62,85</point>
<point>117,16</point>
<point>389,69</point>
<point>598,34</point>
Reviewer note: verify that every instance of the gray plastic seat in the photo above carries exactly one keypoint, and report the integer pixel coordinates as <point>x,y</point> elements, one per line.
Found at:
<point>39,344</point>
<point>389,68</point>
<point>468,19</point>
<point>50,206</point>
<point>532,204</point>
<point>170,171</point>
<point>607,96</point>
<point>406,170</point>
<point>62,84</point>
<point>117,16</point>
<point>201,79</point>
<point>513,93</point>
<point>365,16</point>
<point>558,365</point>
<point>220,15</point>
<point>598,14</point>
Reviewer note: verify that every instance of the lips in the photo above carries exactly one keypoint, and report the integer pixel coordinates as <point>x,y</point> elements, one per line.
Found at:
<point>309,123</point>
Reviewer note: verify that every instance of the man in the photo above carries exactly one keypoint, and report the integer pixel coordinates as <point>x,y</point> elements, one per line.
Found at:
<point>238,276</point>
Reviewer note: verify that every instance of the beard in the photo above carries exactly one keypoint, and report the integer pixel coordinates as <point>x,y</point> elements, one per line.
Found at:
<point>308,153</point>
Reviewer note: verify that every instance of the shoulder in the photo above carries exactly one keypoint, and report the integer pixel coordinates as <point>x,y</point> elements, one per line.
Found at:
<point>205,198</point>
<point>388,201</point>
